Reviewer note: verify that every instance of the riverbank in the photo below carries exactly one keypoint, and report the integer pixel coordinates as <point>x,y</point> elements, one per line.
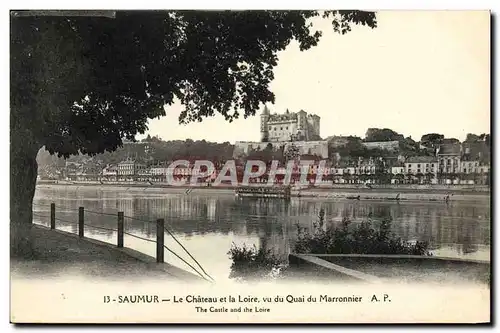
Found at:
<point>385,193</point>
<point>459,189</point>
<point>61,254</point>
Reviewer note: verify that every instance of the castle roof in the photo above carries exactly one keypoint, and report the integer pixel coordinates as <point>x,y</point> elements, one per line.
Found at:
<point>283,117</point>
<point>266,110</point>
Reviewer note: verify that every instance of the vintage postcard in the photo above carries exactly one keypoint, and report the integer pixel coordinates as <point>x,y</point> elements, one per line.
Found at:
<point>250,166</point>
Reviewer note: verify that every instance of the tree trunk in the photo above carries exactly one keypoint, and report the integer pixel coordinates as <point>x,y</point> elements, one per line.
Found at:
<point>23,174</point>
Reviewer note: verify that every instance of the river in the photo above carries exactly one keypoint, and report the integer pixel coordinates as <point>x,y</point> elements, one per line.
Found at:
<point>208,222</point>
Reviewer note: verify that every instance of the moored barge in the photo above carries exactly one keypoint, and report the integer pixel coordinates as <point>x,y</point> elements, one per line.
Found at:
<point>280,192</point>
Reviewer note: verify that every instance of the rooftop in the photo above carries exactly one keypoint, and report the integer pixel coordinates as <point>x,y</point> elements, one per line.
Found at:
<point>449,149</point>
<point>285,115</point>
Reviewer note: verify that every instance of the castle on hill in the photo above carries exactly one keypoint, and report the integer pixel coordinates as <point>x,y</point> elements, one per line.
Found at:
<point>281,130</point>
<point>290,126</point>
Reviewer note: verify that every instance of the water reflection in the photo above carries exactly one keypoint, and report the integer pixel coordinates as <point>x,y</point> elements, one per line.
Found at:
<point>208,223</point>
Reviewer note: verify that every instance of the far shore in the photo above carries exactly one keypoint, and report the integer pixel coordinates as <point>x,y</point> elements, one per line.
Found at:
<point>380,192</point>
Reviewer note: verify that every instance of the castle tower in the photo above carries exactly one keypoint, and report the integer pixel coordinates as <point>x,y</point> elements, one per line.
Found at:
<point>314,126</point>
<point>264,129</point>
<point>302,126</point>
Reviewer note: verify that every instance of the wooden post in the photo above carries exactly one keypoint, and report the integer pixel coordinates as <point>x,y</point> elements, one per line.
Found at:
<point>160,240</point>
<point>80,221</point>
<point>120,229</point>
<point>52,216</point>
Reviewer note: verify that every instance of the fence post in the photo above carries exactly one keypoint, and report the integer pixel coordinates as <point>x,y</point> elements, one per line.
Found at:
<point>160,240</point>
<point>120,229</point>
<point>80,221</point>
<point>52,216</point>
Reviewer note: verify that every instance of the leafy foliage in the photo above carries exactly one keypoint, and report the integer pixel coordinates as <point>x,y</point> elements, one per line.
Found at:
<point>251,263</point>
<point>82,83</point>
<point>354,149</point>
<point>291,152</point>
<point>154,151</point>
<point>347,238</point>
<point>474,138</point>
<point>432,139</point>
<point>266,155</point>
<point>385,134</point>
<point>365,238</point>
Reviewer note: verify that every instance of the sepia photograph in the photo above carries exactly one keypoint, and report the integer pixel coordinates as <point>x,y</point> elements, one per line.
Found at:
<point>250,166</point>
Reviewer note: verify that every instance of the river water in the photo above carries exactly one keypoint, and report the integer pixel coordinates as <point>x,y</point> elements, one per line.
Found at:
<point>207,222</point>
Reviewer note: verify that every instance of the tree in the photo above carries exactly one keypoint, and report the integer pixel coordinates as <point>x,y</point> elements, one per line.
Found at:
<point>451,141</point>
<point>81,83</point>
<point>385,134</point>
<point>432,140</point>
<point>476,138</point>
<point>419,176</point>
<point>473,137</point>
<point>487,139</point>
<point>409,147</point>
<point>265,155</point>
<point>352,149</point>
<point>364,177</point>
<point>399,177</point>
<point>428,177</point>
<point>381,176</point>
<point>347,177</point>
<point>291,152</point>
<point>452,176</point>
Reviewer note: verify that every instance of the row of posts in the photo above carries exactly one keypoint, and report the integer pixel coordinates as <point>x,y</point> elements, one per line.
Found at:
<point>160,230</point>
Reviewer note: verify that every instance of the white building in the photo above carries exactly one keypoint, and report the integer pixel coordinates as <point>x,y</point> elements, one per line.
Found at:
<point>449,158</point>
<point>290,126</point>
<point>130,167</point>
<point>421,165</point>
<point>397,174</point>
<point>398,170</point>
<point>110,170</point>
<point>421,170</point>
<point>161,170</point>
<point>468,167</point>
<point>473,172</point>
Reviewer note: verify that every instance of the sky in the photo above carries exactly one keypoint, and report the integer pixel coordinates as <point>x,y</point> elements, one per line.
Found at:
<point>418,72</point>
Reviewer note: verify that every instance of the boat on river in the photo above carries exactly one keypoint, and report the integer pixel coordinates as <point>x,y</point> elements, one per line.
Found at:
<point>280,192</point>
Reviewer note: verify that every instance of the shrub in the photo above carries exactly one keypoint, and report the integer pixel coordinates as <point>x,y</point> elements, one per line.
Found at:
<point>348,238</point>
<point>252,263</point>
